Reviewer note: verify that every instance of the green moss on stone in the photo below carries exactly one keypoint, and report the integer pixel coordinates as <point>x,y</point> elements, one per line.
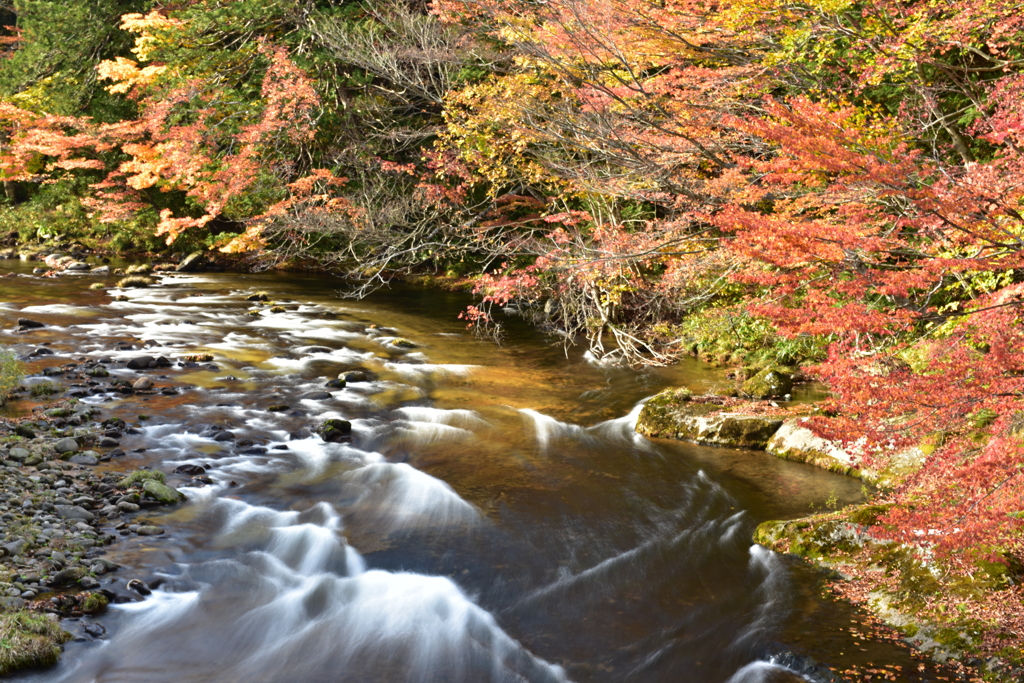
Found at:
<point>140,476</point>
<point>29,640</point>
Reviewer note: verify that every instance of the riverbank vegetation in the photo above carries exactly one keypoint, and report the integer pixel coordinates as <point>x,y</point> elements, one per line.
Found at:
<point>836,184</point>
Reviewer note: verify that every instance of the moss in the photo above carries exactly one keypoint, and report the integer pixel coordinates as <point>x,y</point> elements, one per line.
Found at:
<point>29,640</point>
<point>139,476</point>
<point>660,415</point>
<point>95,603</point>
<point>867,515</point>
<point>769,383</point>
<point>135,281</point>
<point>140,269</point>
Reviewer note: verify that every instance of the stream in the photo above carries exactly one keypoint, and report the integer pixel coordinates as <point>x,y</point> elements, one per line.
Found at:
<point>495,518</point>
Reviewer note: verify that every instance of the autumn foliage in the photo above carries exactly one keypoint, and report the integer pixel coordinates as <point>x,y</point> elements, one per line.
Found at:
<point>850,172</point>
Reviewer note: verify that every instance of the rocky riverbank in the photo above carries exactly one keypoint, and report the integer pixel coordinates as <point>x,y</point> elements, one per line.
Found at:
<point>58,514</point>
<point>974,623</point>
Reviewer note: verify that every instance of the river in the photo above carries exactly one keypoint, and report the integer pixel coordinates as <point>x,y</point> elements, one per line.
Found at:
<point>494,518</point>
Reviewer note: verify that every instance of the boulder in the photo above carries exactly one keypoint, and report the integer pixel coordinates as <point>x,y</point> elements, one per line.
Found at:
<point>793,441</point>
<point>66,445</point>
<point>142,383</point>
<point>74,512</point>
<point>19,454</point>
<point>87,458</point>
<point>192,262</point>
<point>66,577</point>
<point>336,431</point>
<point>673,415</point>
<point>162,493</point>
<point>141,362</point>
<point>769,383</point>
<point>29,324</point>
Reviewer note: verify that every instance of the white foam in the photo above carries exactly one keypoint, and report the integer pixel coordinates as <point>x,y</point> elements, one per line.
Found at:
<point>399,496</point>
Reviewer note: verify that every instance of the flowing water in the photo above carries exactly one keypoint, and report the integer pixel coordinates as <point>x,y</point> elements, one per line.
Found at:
<point>494,518</point>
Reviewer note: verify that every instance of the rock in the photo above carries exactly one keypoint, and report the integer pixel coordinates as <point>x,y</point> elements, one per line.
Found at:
<point>192,262</point>
<point>95,630</point>
<point>149,530</point>
<point>336,431</point>
<point>66,445</point>
<point>125,506</point>
<point>97,371</point>
<point>142,383</point>
<point>66,577</point>
<point>224,436</point>
<point>84,459</point>
<point>33,460</point>
<point>74,512</point>
<point>355,376</point>
<point>78,266</point>
<point>53,371</point>
<point>141,362</point>
<point>29,324</point>
<point>335,384</point>
<point>88,582</point>
<point>190,470</point>
<point>795,442</point>
<point>15,547</point>
<point>768,383</point>
<point>101,270</point>
<point>138,586</point>
<point>317,396</point>
<point>19,454</point>
<point>280,408</point>
<point>25,431</point>
<point>161,492</point>
<point>108,442</point>
<point>671,414</point>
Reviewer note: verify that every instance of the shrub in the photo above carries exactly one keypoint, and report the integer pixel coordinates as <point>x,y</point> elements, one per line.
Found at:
<point>44,389</point>
<point>11,374</point>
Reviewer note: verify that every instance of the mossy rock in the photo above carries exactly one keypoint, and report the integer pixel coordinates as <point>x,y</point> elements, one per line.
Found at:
<point>162,493</point>
<point>795,442</point>
<point>769,383</point>
<point>135,281</point>
<point>660,415</point>
<point>673,414</point>
<point>867,515</point>
<point>811,537</point>
<point>29,640</point>
<point>141,476</point>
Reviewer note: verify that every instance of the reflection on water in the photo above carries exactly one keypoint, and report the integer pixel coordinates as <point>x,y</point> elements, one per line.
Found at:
<point>494,518</point>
